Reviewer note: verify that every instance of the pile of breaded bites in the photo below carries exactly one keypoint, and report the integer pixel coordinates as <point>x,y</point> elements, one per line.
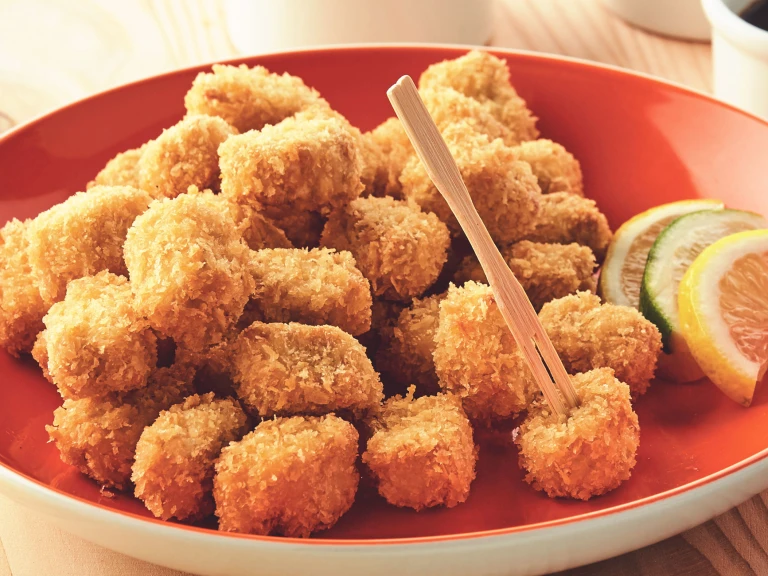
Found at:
<point>229,310</point>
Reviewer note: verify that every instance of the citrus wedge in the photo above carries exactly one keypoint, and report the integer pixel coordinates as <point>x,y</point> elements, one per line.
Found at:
<point>672,253</point>
<point>622,271</point>
<point>723,307</point>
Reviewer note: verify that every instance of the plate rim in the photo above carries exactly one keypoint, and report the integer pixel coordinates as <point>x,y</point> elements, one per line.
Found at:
<point>25,482</point>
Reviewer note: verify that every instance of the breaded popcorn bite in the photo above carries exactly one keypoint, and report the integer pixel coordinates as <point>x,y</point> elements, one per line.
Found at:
<point>565,218</point>
<point>555,168</point>
<point>396,149</point>
<point>21,306</point>
<point>188,266</point>
<point>397,247</point>
<point>587,453</point>
<point>122,170</point>
<point>288,369</point>
<point>175,455</point>
<point>545,271</point>
<point>95,341</point>
<point>422,452</point>
<point>248,98</point>
<point>310,162</point>
<point>503,189</point>
<point>448,106</point>
<point>82,236</point>
<point>409,344</point>
<point>40,354</point>
<point>184,155</point>
<point>477,358</point>
<point>318,286</point>
<point>98,435</point>
<point>485,78</point>
<point>290,476</point>
<point>587,335</point>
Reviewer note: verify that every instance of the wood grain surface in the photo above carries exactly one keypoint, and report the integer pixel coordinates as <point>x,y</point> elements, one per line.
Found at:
<point>52,52</point>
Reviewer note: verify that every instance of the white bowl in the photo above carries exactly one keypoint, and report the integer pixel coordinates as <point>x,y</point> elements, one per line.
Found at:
<point>739,56</point>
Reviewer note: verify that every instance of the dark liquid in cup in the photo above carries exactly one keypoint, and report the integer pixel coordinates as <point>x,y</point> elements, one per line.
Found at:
<point>756,14</point>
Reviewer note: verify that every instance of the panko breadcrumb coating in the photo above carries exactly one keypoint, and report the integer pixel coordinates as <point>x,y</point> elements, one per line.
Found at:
<point>503,190</point>
<point>587,453</point>
<point>82,236</point>
<point>564,218</point>
<point>98,435</point>
<point>188,266</point>
<point>587,335</point>
<point>397,247</point>
<point>302,227</point>
<point>310,162</point>
<point>555,168</point>
<point>21,306</point>
<point>448,106</point>
<point>409,344</point>
<point>545,271</point>
<point>257,230</point>
<point>122,170</point>
<point>485,78</point>
<point>477,358</point>
<point>375,167</point>
<point>384,314</point>
<point>318,286</point>
<point>40,354</point>
<point>288,369</point>
<point>396,149</point>
<point>176,454</point>
<point>422,452</point>
<point>290,476</point>
<point>96,342</point>
<point>184,155</point>
<point>248,98</point>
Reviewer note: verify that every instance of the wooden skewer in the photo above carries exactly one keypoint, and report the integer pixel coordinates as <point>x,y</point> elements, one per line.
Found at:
<point>510,297</point>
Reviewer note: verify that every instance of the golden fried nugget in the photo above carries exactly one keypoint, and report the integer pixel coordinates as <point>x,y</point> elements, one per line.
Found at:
<point>448,106</point>
<point>587,453</point>
<point>503,190</point>
<point>422,452</point>
<point>122,170</point>
<point>545,271</point>
<point>21,306</point>
<point>564,218</point>
<point>409,344</point>
<point>82,236</point>
<point>555,168</point>
<point>184,155</point>
<point>308,162</point>
<point>396,149</point>
<point>95,341</point>
<point>290,476</point>
<point>374,173</point>
<point>485,78</point>
<point>318,286</point>
<point>175,456</point>
<point>399,248</point>
<point>98,435</point>
<point>248,98</point>
<point>257,230</point>
<point>302,227</point>
<point>188,266</point>
<point>288,369</point>
<point>476,357</point>
<point>40,354</point>
<point>587,335</point>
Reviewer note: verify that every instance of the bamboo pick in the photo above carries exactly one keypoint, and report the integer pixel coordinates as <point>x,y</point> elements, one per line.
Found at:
<point>510,297</point>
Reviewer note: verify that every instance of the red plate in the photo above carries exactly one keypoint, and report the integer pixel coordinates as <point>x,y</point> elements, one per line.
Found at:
<point>640,143</point>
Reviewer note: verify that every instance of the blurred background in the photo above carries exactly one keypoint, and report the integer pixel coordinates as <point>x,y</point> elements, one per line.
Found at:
<point>55,51</point>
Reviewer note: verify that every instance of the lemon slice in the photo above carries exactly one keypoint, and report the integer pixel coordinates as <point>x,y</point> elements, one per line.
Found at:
<point>622,271</point>
<point>674,250</point>
<point>723,306</point>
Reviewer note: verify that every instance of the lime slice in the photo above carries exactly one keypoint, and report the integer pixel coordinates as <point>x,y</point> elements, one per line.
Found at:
<point>674,250</point>
<point>622,271</point>
<point>723,309</point>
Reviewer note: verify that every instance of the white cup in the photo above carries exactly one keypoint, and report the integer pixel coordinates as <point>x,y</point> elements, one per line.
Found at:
<point>267,25</point>
<point>676,18</point>
<point>739,56</point>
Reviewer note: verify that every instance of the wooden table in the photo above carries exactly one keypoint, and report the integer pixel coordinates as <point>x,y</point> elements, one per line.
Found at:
<point>52,52</point>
